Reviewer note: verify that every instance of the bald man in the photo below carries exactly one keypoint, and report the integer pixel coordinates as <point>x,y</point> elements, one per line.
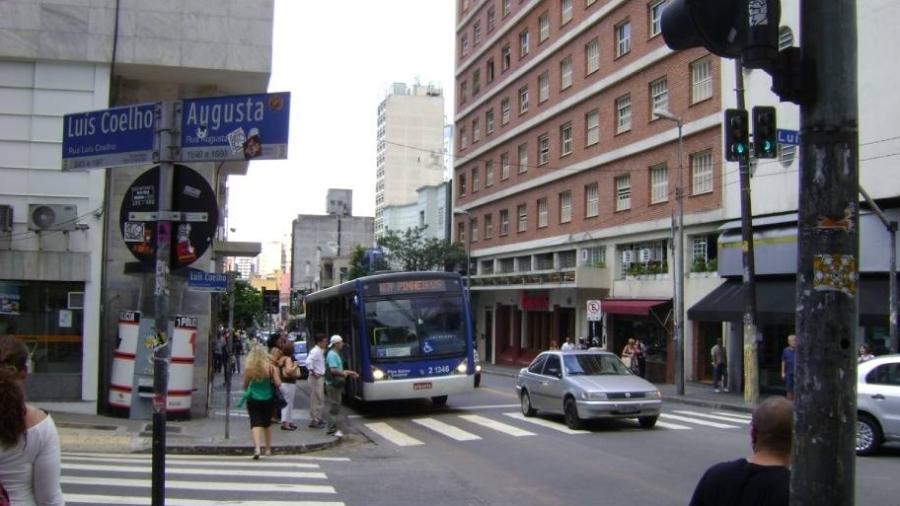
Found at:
<point>764,478</point>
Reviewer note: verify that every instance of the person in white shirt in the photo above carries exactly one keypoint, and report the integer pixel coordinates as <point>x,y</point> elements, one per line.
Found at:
<point>568,345</point>
<point>315,364</point>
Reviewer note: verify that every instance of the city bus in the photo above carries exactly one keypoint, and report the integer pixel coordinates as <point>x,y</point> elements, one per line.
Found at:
<point>409,335</point>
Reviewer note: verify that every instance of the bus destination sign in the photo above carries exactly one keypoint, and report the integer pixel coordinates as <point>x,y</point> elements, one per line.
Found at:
<point>408,286</point>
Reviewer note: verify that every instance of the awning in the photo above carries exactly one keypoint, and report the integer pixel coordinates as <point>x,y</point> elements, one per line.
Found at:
<point>639,307</point>
<point>776,300</point>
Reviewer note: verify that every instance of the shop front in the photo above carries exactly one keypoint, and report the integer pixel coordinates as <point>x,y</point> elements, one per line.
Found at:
<point>649,320</point>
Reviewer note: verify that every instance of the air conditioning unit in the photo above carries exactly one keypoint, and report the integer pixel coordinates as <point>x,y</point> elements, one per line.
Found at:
<point>76,300</point>
<point>52,217</point>
<point>627,256</point>
<point>644,255</point>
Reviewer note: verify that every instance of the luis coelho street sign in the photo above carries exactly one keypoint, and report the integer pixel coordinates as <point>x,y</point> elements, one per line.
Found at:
<point>238,127</point>
<point>108,138</point>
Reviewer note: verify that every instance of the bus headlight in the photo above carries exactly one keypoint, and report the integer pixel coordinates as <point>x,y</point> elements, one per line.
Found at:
<point>377,374</point>
<point>462,367</point>
<point>478,368</point>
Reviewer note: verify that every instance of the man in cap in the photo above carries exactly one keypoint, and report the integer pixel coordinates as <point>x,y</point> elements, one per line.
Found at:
<point>335,377</point>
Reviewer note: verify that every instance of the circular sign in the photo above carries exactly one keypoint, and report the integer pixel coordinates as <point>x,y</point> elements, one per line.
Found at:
<point>190,236</point>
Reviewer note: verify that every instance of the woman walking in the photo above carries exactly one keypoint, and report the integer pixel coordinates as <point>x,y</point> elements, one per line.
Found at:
<point>260,380</point>
<point>289,372</point>
<point>29,443</point>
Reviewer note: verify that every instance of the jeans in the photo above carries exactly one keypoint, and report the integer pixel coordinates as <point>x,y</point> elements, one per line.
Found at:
<point>718,375</point>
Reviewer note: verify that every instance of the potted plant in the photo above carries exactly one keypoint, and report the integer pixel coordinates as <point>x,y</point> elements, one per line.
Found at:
<point>698,268</point>
<point>712,266</point>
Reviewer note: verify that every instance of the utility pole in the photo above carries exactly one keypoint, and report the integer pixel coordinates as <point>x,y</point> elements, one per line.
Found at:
<point>751,341</point>
<point>823,471</point>
<point>228,353</point>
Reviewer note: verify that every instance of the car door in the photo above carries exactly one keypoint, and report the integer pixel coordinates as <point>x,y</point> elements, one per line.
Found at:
<point>531,379</point>
<point>550,389</point>
<point>884,392</point>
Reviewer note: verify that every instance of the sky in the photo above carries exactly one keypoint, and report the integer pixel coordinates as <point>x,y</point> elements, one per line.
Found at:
<point>338,65</point>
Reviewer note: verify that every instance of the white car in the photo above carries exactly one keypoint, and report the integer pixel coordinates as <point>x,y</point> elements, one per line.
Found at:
<point>877,403</point>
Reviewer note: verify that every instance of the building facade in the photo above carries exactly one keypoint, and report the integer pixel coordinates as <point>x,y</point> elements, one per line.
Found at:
<point>410,143</point>
<point>430,210</point>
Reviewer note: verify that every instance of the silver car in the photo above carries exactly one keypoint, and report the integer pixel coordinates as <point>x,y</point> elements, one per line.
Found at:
<point>877,403</point>
<point>586,384</point>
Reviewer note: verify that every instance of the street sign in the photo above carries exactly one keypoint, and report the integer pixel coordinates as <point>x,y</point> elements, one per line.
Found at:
<point>109,138</point>
<point>788,137</point>
<point>594,313</point>
<point>201,281</point>
<point>240,127</point>
<point>194,220</point>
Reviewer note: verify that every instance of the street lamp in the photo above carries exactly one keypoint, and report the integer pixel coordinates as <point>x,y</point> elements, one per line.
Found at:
<point>679,255</point>
<point>468,247</point>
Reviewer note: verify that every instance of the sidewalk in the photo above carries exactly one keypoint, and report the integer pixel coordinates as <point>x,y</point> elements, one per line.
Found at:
<point>697,394</point>
<point>80,432</point>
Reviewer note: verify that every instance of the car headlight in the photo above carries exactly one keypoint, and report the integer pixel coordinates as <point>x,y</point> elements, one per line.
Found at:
<point>377,374</point>
<point>462,367</point>
<point>594,396</point>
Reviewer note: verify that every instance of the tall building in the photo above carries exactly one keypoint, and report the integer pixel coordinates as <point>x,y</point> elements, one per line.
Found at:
<point>410,146</point>
<point>430,210</point>
<point>340,201</point>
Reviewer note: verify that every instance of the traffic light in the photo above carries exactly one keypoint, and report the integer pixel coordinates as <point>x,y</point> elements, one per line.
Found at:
<point>736,135</point>
<point>765,140</point>
<point>271,301</point>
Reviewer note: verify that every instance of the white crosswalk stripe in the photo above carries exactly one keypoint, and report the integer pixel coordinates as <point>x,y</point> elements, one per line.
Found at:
<point>733,414</point>
<point>498,426</point>
<point>446,429</point>
<point>696,421</point>
<point>393,435</point>
<point>546,423</point>
<point>713,417</point>
<point>672,426</point>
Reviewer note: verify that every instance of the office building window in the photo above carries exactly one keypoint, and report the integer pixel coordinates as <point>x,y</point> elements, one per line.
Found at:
<point>461,183</point>
<point>505,58</point>
<point>565,139</point>
<point>701,80</point>
<point>522,213</point>
<point>523,100</point>
<point>475,179</point>
<point>659,184</point>
<point>543,213</point>
<point>623,114</point>
<point>592,127</point>
<point>565,73</point>
<point>701,173</point>
<point>491,19</point>
<point>656,8</point>
<point>524,40</point>
<point>543,87</point>
<point>489,121</point>
<point>463,92</point>
<point>463,139</point>
<point>504,166</point>
<point>544,24</point>
<point>623,38</point>
<point>488,173</point>
<point>591,200</point>
<point>659,96</point>
<point>507,7</point>
<point>464,43</point>
<point>489,71</point>
<point>504,111</point>
<point>476,81</point>
<point>461,232</point>
<point>565,8</point>
<point>565,207</point>
<point>523,158</point>
<point>488,226</point>
<point>543,149</point>
<point>476,130</point>
<point>504,221</point>
<point>623,193</point>
<point>476,33</point>
<point>473,230</point>
<point>592,56</point>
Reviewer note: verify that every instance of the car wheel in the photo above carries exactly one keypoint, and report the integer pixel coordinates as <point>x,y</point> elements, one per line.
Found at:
<point>477,380</point>
<point>573,421</point>
<point>868,435</point>
<point>525,399</point>
<point>647,422</point>
<point>440,400</point>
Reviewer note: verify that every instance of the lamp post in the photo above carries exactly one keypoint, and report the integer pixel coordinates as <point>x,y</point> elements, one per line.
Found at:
<point>679,255</point>
<point>468,247</point>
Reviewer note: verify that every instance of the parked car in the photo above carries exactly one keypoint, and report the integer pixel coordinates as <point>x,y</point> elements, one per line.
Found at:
<point>300,352</point>
<point>477,369</point>
<point>585,384</point>
<point>877,403</point>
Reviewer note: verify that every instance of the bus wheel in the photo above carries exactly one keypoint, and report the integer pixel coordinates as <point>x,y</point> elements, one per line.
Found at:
<point>440,400</point>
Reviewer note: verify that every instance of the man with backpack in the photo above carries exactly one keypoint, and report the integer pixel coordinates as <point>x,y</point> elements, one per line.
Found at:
<point>335,378</point>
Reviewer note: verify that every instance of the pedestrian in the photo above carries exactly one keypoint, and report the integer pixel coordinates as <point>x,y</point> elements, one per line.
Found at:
<point>640,355</point>
<point>628,354</point>
<point>289,372</point>
<point>335,378</point>
<point>29,444</point>
<point>764,478</point>
<point>219,353</point>
<point>260,381</point>
<point>788,365</point>
<point>315,364</point>
<point>568,345</point>
<point>237,351</point>
<point>865,353</point>
<point>275,355</point>
<point>717,355</point>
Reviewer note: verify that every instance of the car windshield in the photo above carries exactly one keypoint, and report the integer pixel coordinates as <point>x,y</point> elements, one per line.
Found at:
<point>594,364</point>
<point>416,328</point>
<point>299,347</point>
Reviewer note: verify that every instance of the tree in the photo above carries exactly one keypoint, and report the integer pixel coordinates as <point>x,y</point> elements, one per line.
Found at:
<point>411,251</point>
<point>248,305</point>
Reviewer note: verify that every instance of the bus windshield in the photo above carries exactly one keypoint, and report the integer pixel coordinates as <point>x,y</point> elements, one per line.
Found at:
<point>415,328</point>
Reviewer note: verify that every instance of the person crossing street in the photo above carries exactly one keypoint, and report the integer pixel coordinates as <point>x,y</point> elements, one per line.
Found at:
<point>335,379</point>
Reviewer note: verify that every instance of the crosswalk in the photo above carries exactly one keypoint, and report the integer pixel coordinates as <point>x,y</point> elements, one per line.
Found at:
<point>468,427</point>
<point>195,480</point>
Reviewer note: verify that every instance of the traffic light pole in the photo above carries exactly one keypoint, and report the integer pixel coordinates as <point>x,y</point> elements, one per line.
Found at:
<point>824,460</point>
<point>751,347</point>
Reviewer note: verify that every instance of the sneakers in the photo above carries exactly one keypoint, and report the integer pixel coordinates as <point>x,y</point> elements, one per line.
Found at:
<point>337,433</point>
<point>717,390</point>
<point>332,431</point>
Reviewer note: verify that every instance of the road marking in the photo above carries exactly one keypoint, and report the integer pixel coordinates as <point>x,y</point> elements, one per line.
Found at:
<point>262,473</point>
<point>698,422</point>
<point>198,485</point>
<point>546,423</point>
<point>742,416</point>
<point>713,417</point>
<point>673,426</point>
<point>244,462</point>
<point>487,406</point>
<point>145,501</point>
<point>505,393</point>
<point>214,458</point>
<point>498,426</point>
<point>446,429</point>
<point>393,435</point>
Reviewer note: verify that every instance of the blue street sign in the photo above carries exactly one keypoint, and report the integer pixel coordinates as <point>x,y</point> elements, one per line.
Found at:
<point>241,127</point>
<point>201,281</point>
<point>109,138</point>
<point>788,137</point>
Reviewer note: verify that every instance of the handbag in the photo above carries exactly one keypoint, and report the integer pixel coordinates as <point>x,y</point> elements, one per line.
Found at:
<point>627,361</point>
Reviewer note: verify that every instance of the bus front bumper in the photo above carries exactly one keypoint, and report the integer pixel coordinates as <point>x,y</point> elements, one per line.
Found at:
<point>418,388</point>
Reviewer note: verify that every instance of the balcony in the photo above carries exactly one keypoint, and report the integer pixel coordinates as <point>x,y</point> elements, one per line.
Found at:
<point>575,277</point>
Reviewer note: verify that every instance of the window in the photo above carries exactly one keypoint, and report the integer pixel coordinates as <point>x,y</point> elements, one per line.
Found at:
<point>523,100</point>
<point>440,217</point>
<point>473,230</point>
<point>489,71</point>
<point>659,96</point>
<point>565,7</point>
<point>464,43</point>
<point>461,232</point>
<point>463,140</point>
<point>461,181</point>
<point>524,39</point>
<point>701,80</point>
<point>656,9</point>
<point>543,87</point>
<point>659,184</point>
<point>505,58</point>
<point>543,149</point>
<point>538,365</point>
<point>504,166</point>
<point>476,81</point>
<point>543,213</point>
<point>623,114</point>
<point>592,128</point>
<point>885,374</point>
<point>523,158</point>
<point>504,221</point>
<point>476,130</point>
<point>504,111</point>
<point>565,73</point>
<point>701,173</point>
<point>552,368</point>
<point>488,173</point>
<point>475,179</point>
<point>463,92</point>
<point>594,257</point>
<point>698,249</point>
<point>565,207</point>
<point>489,121</point>
<point>507,7</point>
<point>623,38</point>
<point>491,19</point>
<point>488,226</point>
<point>785,38</point>
<point>591,200</point>
<point>565,139</point>
<point>476,33</point>
<point>544,24</point>
<point>623,193</point>
<point>522,213</point>
<point>592,56</point>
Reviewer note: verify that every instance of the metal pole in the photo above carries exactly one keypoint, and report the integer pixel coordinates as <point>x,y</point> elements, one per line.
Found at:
<point>751,332</point>
<point>162,351</point>
<point>469,258</point>
<point>679,270</point>
<point>228,356</point>
<point>892,286</point>
<point>824,460</point>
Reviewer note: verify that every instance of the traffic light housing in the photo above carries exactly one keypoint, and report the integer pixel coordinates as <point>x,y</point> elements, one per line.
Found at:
<point>737,135</point>
<point>271,301</point>
<point>765,139</point>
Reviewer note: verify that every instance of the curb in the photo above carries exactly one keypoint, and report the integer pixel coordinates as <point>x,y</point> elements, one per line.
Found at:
<point>212,449</point>
<point>704,403</point>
